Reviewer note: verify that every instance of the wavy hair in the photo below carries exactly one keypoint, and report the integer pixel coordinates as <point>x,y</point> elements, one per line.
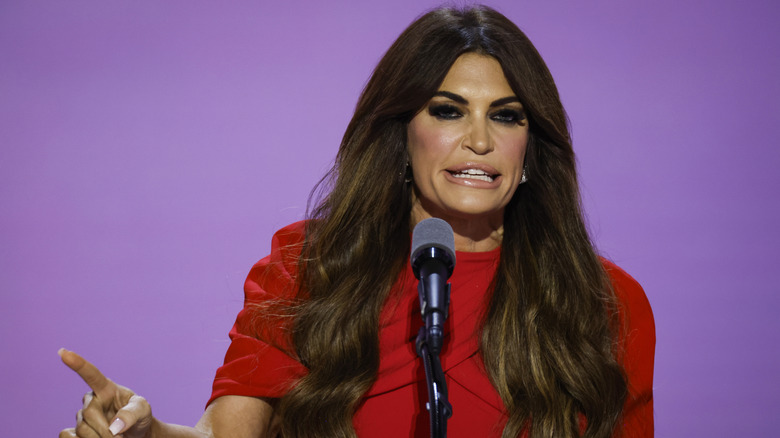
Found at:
<point>548,335</point>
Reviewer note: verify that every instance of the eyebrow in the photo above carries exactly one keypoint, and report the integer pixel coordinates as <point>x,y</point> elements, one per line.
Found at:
<point>462,100</point>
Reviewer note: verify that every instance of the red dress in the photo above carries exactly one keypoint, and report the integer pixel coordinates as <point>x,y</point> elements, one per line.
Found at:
<point>395,404</point>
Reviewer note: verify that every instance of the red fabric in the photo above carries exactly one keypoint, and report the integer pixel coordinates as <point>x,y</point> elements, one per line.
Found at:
<point>394,406</point>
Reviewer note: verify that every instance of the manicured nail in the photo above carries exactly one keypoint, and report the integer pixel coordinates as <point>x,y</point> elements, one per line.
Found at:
<point>117,426</point>
<point>60,351</point>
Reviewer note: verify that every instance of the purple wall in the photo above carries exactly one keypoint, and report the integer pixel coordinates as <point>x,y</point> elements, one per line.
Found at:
<point>148,150</point>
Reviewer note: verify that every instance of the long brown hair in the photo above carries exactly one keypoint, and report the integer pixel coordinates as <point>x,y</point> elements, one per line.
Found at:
<point>549,330</point>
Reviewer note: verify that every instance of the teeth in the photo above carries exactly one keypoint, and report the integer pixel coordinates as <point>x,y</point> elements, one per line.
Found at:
<point>473,174</point>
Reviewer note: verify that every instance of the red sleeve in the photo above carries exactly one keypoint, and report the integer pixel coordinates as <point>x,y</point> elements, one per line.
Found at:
<point>259,365</point>
<point>639,352</point>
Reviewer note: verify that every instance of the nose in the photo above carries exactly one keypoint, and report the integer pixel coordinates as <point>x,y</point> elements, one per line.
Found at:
<point>478,138</point>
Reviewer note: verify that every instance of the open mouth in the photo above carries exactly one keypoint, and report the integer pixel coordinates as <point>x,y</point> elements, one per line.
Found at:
<point>475,174</point>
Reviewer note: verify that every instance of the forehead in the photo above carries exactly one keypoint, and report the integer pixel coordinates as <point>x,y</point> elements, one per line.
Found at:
<point>477,76</point>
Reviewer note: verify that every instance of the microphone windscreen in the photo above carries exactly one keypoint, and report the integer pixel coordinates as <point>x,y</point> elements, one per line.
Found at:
<point>433,232</point>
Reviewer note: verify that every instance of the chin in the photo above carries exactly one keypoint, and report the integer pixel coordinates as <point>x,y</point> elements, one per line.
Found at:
<point>474,211</point>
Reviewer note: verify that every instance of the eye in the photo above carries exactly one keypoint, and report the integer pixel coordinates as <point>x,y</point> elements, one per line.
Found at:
<point>445,112</point>
<point>509,116</point>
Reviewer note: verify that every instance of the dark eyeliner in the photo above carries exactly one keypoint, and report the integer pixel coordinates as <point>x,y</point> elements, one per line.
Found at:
<point>444,111</point>
<point>509,116</point>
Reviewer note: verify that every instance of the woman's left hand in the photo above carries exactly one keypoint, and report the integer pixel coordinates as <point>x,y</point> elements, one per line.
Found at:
<point>109,409</point>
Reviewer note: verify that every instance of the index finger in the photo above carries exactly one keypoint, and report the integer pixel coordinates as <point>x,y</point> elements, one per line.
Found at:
<point>103,387</point>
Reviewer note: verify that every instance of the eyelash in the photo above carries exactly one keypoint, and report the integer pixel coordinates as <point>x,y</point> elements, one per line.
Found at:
<point>504,116</point>
<point>509,116</point>
<point>445,112</point>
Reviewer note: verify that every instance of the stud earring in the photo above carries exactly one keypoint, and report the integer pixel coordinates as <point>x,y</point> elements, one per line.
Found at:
<point>524,178</point>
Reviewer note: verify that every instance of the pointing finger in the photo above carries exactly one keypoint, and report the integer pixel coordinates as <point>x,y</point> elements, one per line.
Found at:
<point>103,388</point>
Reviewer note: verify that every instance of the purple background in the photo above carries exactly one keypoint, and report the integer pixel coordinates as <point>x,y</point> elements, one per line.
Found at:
<point>150,149</point>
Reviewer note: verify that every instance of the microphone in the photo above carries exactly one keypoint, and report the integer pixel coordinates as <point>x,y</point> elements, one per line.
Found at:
<point>433,259</point>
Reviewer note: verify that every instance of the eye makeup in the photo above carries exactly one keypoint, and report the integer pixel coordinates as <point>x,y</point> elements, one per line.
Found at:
<point>444,111</point>
<point>509,116</point>
<point>447,111</point>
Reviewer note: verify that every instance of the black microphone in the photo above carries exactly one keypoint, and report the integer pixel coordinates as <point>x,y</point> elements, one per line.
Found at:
<point>433,259</point>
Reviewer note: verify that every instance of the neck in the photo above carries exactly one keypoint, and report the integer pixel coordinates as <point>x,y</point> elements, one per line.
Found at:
<point>472,234</point>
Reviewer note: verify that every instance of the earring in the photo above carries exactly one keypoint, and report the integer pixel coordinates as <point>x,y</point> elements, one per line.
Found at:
<point>408,176</point>
<point>524,178</point>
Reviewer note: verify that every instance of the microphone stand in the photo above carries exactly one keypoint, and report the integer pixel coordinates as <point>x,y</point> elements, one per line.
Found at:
<point>429,343</point>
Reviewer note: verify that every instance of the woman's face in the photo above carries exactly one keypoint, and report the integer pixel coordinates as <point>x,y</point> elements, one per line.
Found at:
<point>467,144</point>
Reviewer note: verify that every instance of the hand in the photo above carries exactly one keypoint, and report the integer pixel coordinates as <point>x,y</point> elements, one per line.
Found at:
<point>109,409</point>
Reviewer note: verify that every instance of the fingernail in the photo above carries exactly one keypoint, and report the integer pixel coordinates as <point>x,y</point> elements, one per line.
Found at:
<point>60,351</point>
<point>116,426</point>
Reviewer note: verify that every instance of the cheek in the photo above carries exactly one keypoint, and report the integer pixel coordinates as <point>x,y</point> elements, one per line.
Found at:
<point>427,144</point>
<point>514,148</point>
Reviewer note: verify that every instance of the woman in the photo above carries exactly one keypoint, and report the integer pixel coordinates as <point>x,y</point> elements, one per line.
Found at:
<point>460,120</point>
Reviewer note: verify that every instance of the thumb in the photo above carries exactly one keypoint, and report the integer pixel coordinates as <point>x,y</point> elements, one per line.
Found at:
<point>135,416</point>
